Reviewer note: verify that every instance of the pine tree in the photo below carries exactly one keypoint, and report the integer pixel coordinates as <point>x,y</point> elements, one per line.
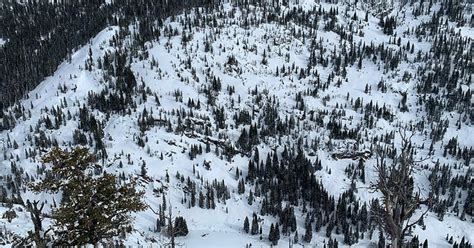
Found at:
<point>254,229</point>
<point>277,232</point>
<point>309,233</point>
<point>201,199</point>
<point>241,187</point>
<point>180,226</point>
<point>246,224</point>
<point>92,208</point>
<point>250,198</point>
<point>271,234</point>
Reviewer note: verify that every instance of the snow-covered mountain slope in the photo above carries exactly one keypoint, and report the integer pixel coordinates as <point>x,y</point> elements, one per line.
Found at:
<point>210,75</point>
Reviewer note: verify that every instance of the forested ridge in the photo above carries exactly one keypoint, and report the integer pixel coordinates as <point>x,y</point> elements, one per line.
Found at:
<point>41,34</point>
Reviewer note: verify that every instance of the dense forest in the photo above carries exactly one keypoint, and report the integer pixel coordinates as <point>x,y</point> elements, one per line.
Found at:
<point>42,34</point>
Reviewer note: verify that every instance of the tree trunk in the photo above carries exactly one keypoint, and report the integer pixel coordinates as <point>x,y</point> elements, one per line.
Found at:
<point>35,214</point>
<point>171,228</point>
<point>395,242</point>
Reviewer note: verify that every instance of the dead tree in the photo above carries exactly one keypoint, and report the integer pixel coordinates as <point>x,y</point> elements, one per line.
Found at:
<point>173,228</point>
<point>176,227</point>
<point>36,218</point>
<point>395,183</point>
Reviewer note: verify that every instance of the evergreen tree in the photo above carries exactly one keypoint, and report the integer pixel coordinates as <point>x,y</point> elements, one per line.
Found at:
<point>254,228</point>
<point>250,198</point>
<point>271,234</point>
<point>92,208</point>
<point>180,226</point>
<point>246,224</point>
<point>308,233</point>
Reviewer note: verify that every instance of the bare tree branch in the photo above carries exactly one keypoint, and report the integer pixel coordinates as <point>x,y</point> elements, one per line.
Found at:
<point>395,183</point>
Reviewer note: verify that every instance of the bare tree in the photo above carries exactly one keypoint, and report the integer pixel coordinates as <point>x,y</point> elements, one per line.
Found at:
<point>38,235</point>
<point>171,228</point>
<point>395,183</point>
<point>176,226</point>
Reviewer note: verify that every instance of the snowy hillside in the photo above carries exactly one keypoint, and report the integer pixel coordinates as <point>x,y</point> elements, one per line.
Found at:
<point>269,110</point>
